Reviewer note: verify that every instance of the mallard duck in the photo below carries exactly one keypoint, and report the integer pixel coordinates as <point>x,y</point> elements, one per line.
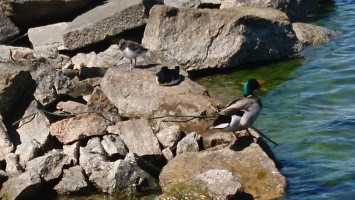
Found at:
<point>241,113</point>
<point>168,77</point>
<point>131,50</point>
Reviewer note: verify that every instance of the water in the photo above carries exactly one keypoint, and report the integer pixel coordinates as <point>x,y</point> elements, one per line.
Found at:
<point>309,109</point>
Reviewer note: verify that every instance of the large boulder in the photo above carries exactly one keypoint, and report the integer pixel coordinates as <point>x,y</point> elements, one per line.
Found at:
<point>73,181</point>
<point>79,127</point>
<point>47,36</point>
<point>25,186</point>
<point>112,18</point>
<point>29,13</point>
<point>138,94</point>
<point>310,34</point>
<point>15,80</point>
<point>296,10</point>
<point>256,172</point>
<point>204,38</point>
<point>7,29</point>
<point>138,136</point>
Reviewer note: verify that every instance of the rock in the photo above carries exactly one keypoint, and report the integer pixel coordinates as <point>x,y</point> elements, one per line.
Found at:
<point>50,35</point>
<point>73,182</point>
<point>46,11</point>
<point>25,186</point>
<point>221,183</point>
<point>6,145</point>
<point>99,102</point>
<point>138,136</point>
<point>3,177</point>
<point>27,151</point>
<point>7,29</point>
<point>35,127</point>
<point>136,93</point>
<point>116,177</point>
<point>189,143</point>
<point>13,167</point>
<point>231,36</point>
<point>15,80</point>
<point>72,153</point>
<point>79,127</point>
<point>49,166</point>
<point>217,138</point>
<point>12,53</point>
<point>168,154</point>
<point>91,155</point>
<point>296,10</point>
<point>71,107</point>
<point>310,34</point>
<point>169,135</point>
<point>112,18</point>
<point>256,172</point>
<point>114,145</point>
<point>51,83</point>
<point>84,87</point>
<point>105,59</point>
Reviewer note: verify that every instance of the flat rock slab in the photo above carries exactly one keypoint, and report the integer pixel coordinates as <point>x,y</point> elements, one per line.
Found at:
<point>104,21</point>
<point>310,34</point>
<point>138,136</point>
<point>7,29</point>
<point>21,187</point>
<point>256,172</point>
<point>79,127</point>
<point>137,93</point>
<point>218,38</point>
<point>50,35</point>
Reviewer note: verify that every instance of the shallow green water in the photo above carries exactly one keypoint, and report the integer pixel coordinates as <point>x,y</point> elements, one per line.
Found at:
<point>309,110</point>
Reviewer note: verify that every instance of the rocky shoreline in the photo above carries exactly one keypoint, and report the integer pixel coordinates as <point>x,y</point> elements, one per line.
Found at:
<point>74,120</point>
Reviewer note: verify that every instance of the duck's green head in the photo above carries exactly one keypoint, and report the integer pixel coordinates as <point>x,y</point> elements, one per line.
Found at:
<point>250,86</point>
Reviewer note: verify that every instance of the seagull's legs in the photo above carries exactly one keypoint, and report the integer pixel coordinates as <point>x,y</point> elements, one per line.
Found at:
<point>135,62</point>
<point>130,66</point>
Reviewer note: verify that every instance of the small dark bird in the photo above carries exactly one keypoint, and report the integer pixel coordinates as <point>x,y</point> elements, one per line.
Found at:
<point>241,113</point>
<point>168,77</point>
<point>131,50</point>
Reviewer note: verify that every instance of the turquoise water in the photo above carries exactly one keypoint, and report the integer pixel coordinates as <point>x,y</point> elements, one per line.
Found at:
<point>310,111</point>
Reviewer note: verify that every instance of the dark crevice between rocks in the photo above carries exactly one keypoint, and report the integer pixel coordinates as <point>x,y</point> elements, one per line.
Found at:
<point>242,196</point>
<point>152,164</point>
<point>209,6</point>
<point>241,143</point>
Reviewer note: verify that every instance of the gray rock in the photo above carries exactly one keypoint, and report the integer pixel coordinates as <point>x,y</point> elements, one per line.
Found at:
<point>13,167</point>
<point>7,29</point>
<point>46,11</point>
<point>138,136</point>
<point>91,155</point>
<point>136,93</point>
<point>310,34</point>
<point>221,183</point>
<point>230,38</point>
<point>296,10</point>
<point>168,154</point>
<point>117,177</point>
<point>73,182</point>
<point>216,138</point>
<point>50,35</point>
<point>189,143</point>
<point>35,127</point>
<point>169,136</point>
<point>51,83</point>
<point>48,166</point>
<point>25,186</point>
<point>15,80</point>
<point>6,145</point>
<point>27,151</point>
<point>107,20</point>
<point>79,127</point>
<point>71,107</point>
<point>72,152</point>
<point>84,87</point>
<point>12,53</point>
<point>251,166</point>
<point>114,145</point>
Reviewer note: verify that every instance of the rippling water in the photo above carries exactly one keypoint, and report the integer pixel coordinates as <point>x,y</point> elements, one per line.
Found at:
<point>310,111</point>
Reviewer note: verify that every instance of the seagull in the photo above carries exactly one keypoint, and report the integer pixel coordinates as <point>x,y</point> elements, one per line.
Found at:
<point>168,77</point>
<point>131,50</point>
<point>241,113</point>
